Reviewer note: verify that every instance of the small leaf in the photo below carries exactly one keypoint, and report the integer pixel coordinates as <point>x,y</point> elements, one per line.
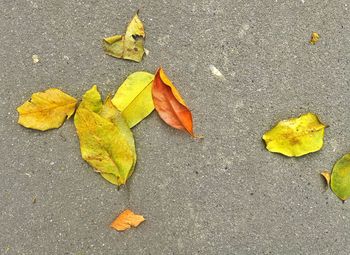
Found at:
<point>126,220</point>
<point>296,136</point>
<point>340,178</point>
<point>46,110</point>
<point>169,103</point>
<point>134,97</point>
<point>129,46</point>
<point>327,177</point>
<point>314,38</point>
<point>106,141</point>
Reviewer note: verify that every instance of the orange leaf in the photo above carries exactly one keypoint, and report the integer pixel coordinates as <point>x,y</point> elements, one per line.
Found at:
<point>169,103</point>
<point>126,220</point>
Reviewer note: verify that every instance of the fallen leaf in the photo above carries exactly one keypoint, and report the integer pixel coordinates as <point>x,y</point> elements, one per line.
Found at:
<point>134,97</point>
<point>46,110</point>
<point>314,38</point>
<point>110,112</point>
<point>327,177</point>
<point>296,136</point>
<point>169,103</point>
<point>129,46</point>
<point>126,220</point>
<point>340,178</point>
<point>106,141</point>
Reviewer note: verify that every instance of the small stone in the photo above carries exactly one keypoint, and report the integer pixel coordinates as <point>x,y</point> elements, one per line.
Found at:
<point>35,59</point>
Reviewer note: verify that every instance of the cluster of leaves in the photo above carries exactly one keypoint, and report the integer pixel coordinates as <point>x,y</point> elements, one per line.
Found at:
<point>104,128</point>
<point>296,137</point>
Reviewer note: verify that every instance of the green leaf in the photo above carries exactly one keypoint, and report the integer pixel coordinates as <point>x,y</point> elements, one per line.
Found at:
<point>340,179</point>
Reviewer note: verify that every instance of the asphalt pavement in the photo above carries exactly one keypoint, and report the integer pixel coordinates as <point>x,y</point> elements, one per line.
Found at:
<point>224,194</point>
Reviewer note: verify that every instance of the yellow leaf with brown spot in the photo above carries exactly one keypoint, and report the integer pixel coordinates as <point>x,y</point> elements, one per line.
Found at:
<point>106,141</point>
<point>314,38</point>
<point>126,220</point>
<point>295,137</point>
<point>129,46</point>
<point>46,110</point>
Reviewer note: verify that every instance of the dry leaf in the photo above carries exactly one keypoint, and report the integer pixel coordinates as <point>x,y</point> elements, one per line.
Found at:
<point>46,110</point>
<point>327,177</point>
<point>340,178</point>
<point>169,103</point>
<point>106,141</point>
<point>126,220</point>
<point>134,97</point>
<point>110,112</point>
<point>296,136</point>
<point>129,46</point>
<point>314,38</point>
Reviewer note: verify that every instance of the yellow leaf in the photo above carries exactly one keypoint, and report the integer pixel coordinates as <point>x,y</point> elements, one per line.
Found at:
<point>126,220</point>
<point>108,111</point>
<point>327,177</point>
<point>129,46</point>
<point>314,38</point>
<point>134,97</point>
<point>296,136</point>
<point>46,110</point>
<point>106,141</point>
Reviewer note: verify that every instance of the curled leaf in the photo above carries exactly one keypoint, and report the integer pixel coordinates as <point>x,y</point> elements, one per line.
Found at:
<point>340,178</point>
<point>106,141</point>
<point>126,220</point>
<point>314,38</point>
<point>169,103</point>
<point>327,177</point>
<point>296,136</point>
<point>134,97</point>
<point>129,46</point>
<point>46,110</point>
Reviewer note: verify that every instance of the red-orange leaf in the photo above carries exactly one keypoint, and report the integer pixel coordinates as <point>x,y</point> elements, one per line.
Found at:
<point>169,103</point>
<point>126,220</point>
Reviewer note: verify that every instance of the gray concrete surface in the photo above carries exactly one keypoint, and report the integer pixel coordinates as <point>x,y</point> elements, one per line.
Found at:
<point>223,195</point>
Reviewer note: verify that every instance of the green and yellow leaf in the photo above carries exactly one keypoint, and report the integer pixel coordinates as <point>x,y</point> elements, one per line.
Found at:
<point>46,110</point>
<point>296,136</point>
<point>129,46</point>
<point>340,178</point>
<point>134,97</point>
<point>106,141</point>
